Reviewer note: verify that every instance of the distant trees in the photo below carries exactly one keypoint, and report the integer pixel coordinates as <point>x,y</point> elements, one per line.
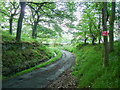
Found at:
<point>38,10</point>
<point>92,19</point>
<point>89,27</point>
<point>47,12</point>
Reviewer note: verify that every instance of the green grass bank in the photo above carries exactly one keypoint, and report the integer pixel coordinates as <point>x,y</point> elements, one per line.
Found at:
<point>25,56</point>
<point>89,67</point>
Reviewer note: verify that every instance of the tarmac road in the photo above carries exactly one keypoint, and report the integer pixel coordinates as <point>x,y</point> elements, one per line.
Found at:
<point>42,77</point>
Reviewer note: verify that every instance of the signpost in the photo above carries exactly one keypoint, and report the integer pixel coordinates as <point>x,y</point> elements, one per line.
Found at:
<point>103,33</point>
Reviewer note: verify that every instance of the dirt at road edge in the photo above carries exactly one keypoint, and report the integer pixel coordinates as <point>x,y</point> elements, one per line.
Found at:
<point>65,80</point>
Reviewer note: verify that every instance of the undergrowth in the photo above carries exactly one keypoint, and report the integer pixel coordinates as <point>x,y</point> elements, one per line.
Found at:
<point>89,68</point>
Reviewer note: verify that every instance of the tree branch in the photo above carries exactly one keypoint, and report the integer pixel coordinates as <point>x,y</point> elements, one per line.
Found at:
<point>4,13</point>
<point>92,22</point>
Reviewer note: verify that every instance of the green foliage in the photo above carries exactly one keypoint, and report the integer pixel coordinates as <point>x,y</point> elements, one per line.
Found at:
<point>89,69</point>
<point>89,25</point>
<point>58,29</point>
<point>36,12</point>
<point>70,25</point>
<point>66,47</point>
<point>44,32</point>
<point>71,6</point>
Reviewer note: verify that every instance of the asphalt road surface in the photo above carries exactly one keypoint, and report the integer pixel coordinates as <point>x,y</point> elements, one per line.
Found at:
<point>42,77</point>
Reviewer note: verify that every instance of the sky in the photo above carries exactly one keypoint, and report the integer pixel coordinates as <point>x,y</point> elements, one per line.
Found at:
<point>63,0</point>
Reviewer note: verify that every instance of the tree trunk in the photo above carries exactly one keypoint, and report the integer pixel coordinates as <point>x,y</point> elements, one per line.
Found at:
<point>111,35</point>
<point>34,29</point>
<point>85,38</point>
<point>10,21</point>
<point>104,23</point>
<point>99,40</point>
<point>91,34</point>
<point>99,29</point>
<point>34,33</point>
<point>119,36</point>
<point>85,41</point>
<point>19,26</point>
<point>93,40</point>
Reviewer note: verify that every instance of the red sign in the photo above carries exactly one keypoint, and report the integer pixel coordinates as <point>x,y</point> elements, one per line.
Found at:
<point>103,33</point>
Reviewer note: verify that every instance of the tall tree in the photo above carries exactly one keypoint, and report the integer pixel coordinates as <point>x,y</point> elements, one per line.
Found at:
<point>111,22</point>
<point>92,11</point>
<point>10,11</point>
<point>38,10</point>
<point>19,26</point>
<point>119,31</point>
<point>104,23</point>
<point>15,8</point>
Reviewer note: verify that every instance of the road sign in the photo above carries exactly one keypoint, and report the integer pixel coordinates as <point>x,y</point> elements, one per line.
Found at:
<point>103,33</point>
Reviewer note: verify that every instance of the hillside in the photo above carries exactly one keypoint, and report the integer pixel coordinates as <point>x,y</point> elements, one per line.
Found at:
<point>17,57</point>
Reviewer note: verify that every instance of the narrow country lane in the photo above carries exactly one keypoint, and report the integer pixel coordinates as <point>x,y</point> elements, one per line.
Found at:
<point>42,77</point>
